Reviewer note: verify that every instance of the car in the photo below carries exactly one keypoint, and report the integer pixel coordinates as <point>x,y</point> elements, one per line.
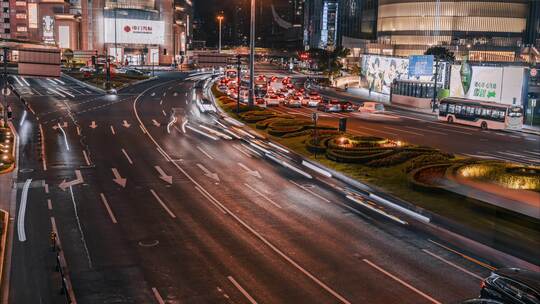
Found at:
<point>260,102</point>
<point>87,69</point>
<point>112,91</point>
<point>293,102</point>
<point>281,97</point>
<point>346,106</point>
<point>512,286</point>
<point>370,107</point>
<point>222,88</point>
<point>329,106</point>
<point>272,100</point>
<point>134,72</point>
<point>313,99</point>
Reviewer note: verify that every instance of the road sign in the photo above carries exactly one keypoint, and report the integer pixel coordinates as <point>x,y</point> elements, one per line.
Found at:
<point>6,91</point>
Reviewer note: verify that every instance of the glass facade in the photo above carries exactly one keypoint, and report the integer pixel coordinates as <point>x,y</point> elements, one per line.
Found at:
<point>358,19</point>
<point>414,88</point>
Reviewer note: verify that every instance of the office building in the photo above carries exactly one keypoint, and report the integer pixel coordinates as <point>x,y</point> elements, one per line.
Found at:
<point>321,24</point>
<point>357,22</point>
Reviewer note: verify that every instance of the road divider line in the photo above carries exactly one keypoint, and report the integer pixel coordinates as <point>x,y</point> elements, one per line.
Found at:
<point>471,259</point>
<point>43,155</point>
<point>112,131</point>
<point>242,290</point>
<point>158,297</point>
<point>452,264</point>
<point>127,156</point>
<point>46,186</point>
<point>143,129</point>
<point>49,204</point>
<point>86,159</point>
<point>204,152</point>
<point>262,195</point>
<point>244,224</point>
<point>377,210</point>
<point>109,210</point>
<point>22,211</point>
<point>162,204</point>
<point>308,190</point>
<point>427,297</point>
<point>212,200</point>
<point>163,153</point>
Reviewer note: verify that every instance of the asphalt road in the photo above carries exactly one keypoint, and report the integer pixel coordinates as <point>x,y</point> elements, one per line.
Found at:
<point>201,218</point>
<point>422,129</point>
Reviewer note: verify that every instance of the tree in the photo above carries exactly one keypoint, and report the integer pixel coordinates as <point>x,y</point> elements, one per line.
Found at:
<point>441,53</point>
<point>68,55</point>
<point>329,62</point>
<point>356,70</point>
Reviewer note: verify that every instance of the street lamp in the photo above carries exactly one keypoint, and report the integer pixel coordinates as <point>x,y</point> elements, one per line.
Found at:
<point>220,19</point>
<point>252,56</point>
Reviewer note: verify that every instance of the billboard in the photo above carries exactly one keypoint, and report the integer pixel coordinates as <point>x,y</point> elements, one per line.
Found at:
<point>381,71</point>
<point>48,29</point>
<point>420,65</point>
<point>134,31</point>
<point>484,83</point>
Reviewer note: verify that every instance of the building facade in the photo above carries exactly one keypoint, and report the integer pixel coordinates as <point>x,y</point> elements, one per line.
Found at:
<point>482,30</point>
<point>132,31</point>
<point>357,21</point>
<point>321,24</point>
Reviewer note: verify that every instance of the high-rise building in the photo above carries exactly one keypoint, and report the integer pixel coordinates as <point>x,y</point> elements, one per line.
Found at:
<point>532,34</point>
<point>357,21</point>
<point>321,24</point>
<point>5,25</point>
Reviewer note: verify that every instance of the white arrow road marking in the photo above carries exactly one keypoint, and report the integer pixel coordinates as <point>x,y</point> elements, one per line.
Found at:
<point>109,210</point>
<point>22,211</point>
<point>254,173</point>
<point>118,178</point>
<point>112,130</point>
<point>163,176</point>
<point>127,157</point>
<point>162,203</point>
<point>93,125</point>
<point>157,124</point>
<point>163,111</point>
<point>175,94</point>
<point>78,180</point>
<point>125,124</point>
<point>209,173</point>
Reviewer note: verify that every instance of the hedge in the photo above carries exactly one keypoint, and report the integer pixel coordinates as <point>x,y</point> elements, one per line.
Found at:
<point>421,186</point>
<point>427,159</point>
<point>394,159</point>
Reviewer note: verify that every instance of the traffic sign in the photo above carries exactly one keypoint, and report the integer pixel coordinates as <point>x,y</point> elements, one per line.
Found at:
<point>6,91</point>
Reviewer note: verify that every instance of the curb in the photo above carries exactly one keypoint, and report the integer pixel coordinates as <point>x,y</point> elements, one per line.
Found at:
<point>419,215</point>
<point>84,83</point>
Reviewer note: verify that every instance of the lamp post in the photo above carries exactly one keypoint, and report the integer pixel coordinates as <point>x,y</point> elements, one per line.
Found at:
<point>252,56</point>
<point>220,19</point>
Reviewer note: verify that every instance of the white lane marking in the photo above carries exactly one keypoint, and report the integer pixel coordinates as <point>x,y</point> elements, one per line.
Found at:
<point>375,209</point>
<point>79,226</point>
<point>49,204</point>
<point>376,130</point>
<point>463,255</point>
<point>158,297</point>
<point>109,210</point>
<point>401,130</point>
<point>143,129</point>
<point>242,290</point>
<point>78,131</point>
<point>201,132</point>
<point>204,152</point>
<point>162,203</point>
<point>520,156</point>
<point>448,130</point>
<point>262,195</point>
<point>533,153</point>
<point>432,300</point>
<point>452,264</point>
<point>308,190</point>
<point>240,221</point>
<point>163,111</point>
<point>22,211</point>
<point>65,136</point>
<point>127,156</point>
<point>46,186</point>
<point>43,155</point>
<point>112,131</point>
<point>212,200</point>
<point>86,159</point>
<point>426,130</point>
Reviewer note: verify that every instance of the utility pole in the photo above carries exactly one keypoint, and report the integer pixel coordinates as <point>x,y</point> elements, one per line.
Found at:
<point>434,101</point>
<point>4,89</point>
<point>220,19</point>
<point>252,56</point>
<point>239,77</point>
<point>115,33</point>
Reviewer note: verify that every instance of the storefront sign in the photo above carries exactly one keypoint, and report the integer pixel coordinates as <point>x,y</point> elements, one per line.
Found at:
<point>134,31</point>
<point>421,65</point>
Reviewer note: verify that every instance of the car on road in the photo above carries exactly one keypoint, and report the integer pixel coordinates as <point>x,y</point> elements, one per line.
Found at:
<point>313,99</point>
<point>87,69</point>
<point>260,102</point>
<point>332,105</point>
<point>282,97</point>
<point>370,107</point>
<point>512,286</point>
<point>272,100</point>
<point>293,102</point>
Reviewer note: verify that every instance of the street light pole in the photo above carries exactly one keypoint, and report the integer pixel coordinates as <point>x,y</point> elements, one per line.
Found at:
<point>220,19</point>
<point>252,56</point>
<point>115,33</point>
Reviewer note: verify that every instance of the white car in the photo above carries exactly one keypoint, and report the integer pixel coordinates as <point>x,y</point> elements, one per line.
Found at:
<point>314,102</point>
<point>371,107</point>
<point>87,69</point>
<point>272,100</point>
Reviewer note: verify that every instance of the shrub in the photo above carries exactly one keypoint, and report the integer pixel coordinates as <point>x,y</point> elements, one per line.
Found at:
<point>352,158</point>
<point>394,159</point>
<point>427,159</point>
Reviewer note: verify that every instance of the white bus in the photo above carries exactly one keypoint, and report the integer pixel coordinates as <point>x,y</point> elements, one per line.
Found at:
<point>486,115</point>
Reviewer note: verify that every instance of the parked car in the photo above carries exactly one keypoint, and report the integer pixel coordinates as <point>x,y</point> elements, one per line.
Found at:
<point>272,100</point>
<point>371,107</point>
<point>293,102</point>
<point>512,286</point>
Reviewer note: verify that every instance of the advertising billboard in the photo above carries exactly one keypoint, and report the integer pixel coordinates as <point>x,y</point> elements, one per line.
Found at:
<point>484,83</point>
<point>134,31</point>
<point>421,65</point>
<point>381,71</point>
<point>48,29</point>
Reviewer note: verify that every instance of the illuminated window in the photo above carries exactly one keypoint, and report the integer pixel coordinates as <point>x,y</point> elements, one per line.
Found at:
<point>22,29</point>
<point>20,16</point>
<point>20,3</point>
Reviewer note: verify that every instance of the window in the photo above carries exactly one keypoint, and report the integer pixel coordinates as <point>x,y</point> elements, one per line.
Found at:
<point>7,31</point>
<point>478,111</point>
<point>6,20</point>
<point>451,108</point>
<point>458,109</point>
<point>20,16</point>
<point>6,9</point>
<point>443,107</point>
<point>22,29</point>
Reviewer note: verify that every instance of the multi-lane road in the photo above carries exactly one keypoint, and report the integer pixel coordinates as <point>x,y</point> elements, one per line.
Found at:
<point>152,212</point>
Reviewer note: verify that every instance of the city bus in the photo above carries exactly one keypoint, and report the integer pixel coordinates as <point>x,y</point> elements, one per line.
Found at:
<point>486,115</point>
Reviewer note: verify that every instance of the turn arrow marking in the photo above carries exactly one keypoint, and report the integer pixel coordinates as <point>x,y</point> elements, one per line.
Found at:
<point>126,124</point>
<point>157,124</point>
<point>118,178</point>
<point>254,173</point>
<point>208,173</point>
<point>163,176</point>
<point>78,180</point>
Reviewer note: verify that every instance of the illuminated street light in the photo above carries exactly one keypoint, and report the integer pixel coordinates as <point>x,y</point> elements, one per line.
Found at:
<point>220,19</point>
